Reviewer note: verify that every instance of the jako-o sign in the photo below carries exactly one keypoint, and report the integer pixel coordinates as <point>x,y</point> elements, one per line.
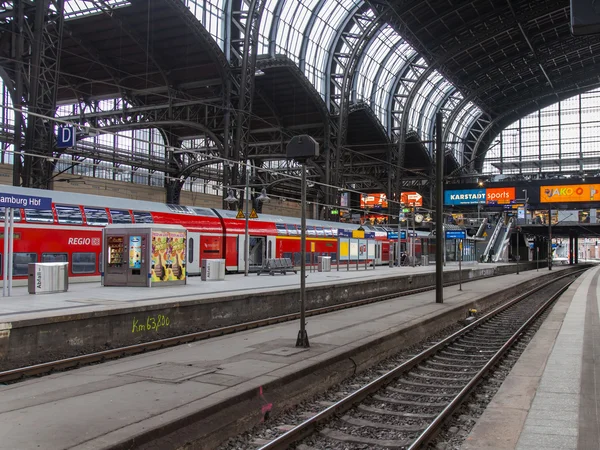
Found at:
<point>570,193</point>
<point>490,196</point>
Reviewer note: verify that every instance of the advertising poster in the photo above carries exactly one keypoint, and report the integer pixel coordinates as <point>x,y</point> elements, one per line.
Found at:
<point>135,252</point>
<point>570,193</point>
<point>168,256</point>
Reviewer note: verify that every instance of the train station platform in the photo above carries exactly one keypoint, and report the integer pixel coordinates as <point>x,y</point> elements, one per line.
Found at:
<point>209,390</point>
<point>90,317</point>
<point>551,398</point>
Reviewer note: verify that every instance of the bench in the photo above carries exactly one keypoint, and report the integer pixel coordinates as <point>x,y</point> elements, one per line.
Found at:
<point>278,265</point>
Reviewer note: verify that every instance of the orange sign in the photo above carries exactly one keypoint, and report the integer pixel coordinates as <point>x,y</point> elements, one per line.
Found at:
<point>499,196</point>
<point>570,193</point>
<point>373,200</point>
<point>411,198</point>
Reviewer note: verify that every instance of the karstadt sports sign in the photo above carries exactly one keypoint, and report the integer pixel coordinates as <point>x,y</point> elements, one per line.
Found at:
<point>490,196</point>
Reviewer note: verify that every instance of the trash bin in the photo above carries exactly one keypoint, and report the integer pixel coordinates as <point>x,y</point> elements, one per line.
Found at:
<point>212,270</point>
<point>45,278</point>
<point>424,260</point>
<point>324,264</point>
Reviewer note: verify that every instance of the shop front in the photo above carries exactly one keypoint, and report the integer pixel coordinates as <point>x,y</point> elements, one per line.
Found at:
<point>139,255</point>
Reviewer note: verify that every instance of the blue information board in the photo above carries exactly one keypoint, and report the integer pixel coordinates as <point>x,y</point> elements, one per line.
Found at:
<point>456,234</point>
<point>24,201</point>
<point>66,137</point>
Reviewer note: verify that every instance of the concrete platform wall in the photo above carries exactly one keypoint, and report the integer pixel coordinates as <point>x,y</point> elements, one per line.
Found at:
<point>46,339</point>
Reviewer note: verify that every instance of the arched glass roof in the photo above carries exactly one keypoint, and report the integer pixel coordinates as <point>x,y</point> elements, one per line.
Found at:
<point>378,69</point>
<point>564,137</point>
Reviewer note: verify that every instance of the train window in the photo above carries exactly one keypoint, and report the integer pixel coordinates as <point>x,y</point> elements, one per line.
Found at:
<point>142,217</point>
<point>328,232</point>
<point>1,263</point>
<point>69,215</point>
<point>54,257</point>
<point>320,231</point>
<point>310,230</point>
<point>120,216</point>
<point>21,263</point>
<point>190,250</point>
<point>334,232</point>
<point>292,230</point>
<point>83,263</point>
<point>95,216</point>
<point>281,229</point>
<point>39,215</point>
<point>16,215</point>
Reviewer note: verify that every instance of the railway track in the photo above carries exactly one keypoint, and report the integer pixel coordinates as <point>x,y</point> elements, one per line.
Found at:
<point>407,406</point>
<point>45,368</point>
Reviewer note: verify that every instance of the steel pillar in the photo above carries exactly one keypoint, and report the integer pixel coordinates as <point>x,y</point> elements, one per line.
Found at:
<point>39,60</point>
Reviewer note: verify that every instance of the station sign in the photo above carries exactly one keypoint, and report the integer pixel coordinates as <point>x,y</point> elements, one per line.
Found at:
<point>570,193</point>
<point>456,234</point>
<point>375,201</point>
<point>66,137</point>
<point>24,201</point>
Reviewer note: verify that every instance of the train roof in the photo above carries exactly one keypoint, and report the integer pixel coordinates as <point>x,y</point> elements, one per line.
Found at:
<point>100,201</point>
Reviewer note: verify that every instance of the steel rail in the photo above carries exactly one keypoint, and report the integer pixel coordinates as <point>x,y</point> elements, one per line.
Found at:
<point>308,427</point>
<point>437,423</point>
<point>80,360</point>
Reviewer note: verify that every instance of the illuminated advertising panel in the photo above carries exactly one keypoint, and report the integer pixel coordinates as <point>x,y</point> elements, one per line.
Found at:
<point>373,201</point>
<point>464,197</point>
<point>570,193</point>
<point>499,196</point>
<point>483,196</point>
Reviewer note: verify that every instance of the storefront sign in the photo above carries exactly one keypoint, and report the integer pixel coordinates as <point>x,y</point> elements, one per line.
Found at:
<point>499,196</point>
<point>464,197</point>
<point>570,193</point>
<point>482,196</point>
<point>168,256</point>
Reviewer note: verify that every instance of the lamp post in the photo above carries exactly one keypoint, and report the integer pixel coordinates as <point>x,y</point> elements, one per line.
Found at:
<point>246,232</point>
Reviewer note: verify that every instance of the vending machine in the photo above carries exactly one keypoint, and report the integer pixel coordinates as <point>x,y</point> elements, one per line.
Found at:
<point>142,255</point>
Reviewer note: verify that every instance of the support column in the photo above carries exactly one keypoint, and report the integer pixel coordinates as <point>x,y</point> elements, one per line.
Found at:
<point>576,249</point>
<point>571,249</point>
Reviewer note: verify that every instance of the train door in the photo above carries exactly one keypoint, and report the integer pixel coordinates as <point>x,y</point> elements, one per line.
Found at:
<point>193,256</point>
<point>270,251</point>
<point>377,252</point>
<point>256,252</point>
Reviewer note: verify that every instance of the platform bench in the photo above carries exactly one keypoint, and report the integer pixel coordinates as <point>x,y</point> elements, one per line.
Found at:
<point>278,265</point>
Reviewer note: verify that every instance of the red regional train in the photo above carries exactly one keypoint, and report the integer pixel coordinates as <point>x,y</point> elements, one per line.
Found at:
<point>72,232</point>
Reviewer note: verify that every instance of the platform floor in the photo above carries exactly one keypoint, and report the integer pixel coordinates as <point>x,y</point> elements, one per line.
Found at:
<point>99,406</point>
<point>551,399</point>
<point>88,297</point>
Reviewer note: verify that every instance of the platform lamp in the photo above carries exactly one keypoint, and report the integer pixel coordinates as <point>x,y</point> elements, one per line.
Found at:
<point>301,149</point>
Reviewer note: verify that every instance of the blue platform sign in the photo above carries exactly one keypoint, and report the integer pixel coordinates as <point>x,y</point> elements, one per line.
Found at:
<point>344,233</point>
<point>24,201</point>
<point>66,137</point>
<point>394,235</point>
<point>464,197</point>
<point>456,234</point>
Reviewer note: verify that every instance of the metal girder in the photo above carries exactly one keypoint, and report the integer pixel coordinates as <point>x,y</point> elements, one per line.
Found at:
<point>342,80</point>
<point>244,46</point>
<point>42,27</point>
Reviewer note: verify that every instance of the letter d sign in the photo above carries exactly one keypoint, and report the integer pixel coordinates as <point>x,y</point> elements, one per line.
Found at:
<point>66,137</point>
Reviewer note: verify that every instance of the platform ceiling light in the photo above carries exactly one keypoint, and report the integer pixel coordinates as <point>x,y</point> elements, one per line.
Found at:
<point>231,198</point>
<point>258,73</point>
<point>480,183</point>
<point>263,197</point>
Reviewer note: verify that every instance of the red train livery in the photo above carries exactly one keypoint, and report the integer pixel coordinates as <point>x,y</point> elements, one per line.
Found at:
<point>72,232</point>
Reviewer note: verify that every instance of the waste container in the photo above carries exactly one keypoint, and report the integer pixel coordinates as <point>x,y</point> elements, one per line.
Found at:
<point>324,264</point>
<point>45,278</point>
<point>424,260</point>
<point>212,270</point>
